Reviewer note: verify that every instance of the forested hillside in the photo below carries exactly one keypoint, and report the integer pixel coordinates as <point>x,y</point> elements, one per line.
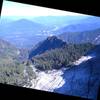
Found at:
<point>61,57</point>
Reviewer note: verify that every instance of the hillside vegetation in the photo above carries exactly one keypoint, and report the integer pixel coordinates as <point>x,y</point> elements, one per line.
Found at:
<point>61,57</point>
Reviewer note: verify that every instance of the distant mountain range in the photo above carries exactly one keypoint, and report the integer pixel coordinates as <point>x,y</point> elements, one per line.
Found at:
<point>87,24</point>
<point>92,36</point>
<point>22,33</point>
<point>22,26</point>
<point>26,33</point>
<point>59,21</point>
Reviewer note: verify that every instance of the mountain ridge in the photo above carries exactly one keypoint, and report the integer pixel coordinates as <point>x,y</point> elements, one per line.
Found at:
<point>48,44</point>
<point>81,37</point>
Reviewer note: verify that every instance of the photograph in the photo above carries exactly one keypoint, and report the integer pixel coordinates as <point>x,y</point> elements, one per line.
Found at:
<point>50,50</point>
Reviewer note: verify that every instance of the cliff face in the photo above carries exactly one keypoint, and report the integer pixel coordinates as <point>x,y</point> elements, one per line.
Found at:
<point>82,80</point>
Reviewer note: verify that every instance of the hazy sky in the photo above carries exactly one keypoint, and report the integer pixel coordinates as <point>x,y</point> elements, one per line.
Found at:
<point>19,9</point>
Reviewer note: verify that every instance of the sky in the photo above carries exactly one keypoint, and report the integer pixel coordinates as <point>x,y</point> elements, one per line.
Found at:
<point>11,8</point>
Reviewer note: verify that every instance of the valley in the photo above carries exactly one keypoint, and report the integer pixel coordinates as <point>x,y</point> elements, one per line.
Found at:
<point>57,56</point>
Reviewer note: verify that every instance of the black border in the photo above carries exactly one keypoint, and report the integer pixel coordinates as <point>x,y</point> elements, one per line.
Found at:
<point>90,7</point>
<point>80,6</point>
<point>10,91</point>
<point>1,2</point>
